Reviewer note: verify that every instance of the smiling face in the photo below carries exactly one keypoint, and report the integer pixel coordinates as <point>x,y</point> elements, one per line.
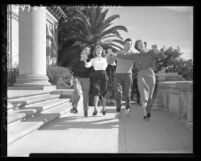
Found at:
<point>98,51</point>
<point>86,51</point>
<point>127,45</point>
<point>140,46</point>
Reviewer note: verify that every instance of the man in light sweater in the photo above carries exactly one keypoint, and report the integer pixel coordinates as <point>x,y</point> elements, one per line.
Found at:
<point>123,77</point>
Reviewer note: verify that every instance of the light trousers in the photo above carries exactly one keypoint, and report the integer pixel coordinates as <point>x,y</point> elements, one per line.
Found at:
<point>146,84</point>
<point>81,87</point>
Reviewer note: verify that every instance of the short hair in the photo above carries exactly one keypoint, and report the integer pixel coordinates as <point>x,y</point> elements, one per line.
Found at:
<point>94,51</point>
<point>154,46</point>
<point>98,46</point>
<point>128,39</point>
<point>82,52</point>
<point>136,44</point>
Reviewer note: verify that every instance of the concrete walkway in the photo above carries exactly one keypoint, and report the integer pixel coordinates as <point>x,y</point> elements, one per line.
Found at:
<point>105,134</point>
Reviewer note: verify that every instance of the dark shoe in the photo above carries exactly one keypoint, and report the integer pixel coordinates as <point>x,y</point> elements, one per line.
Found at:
<point>146,118</point>
<point>148,114</point>
<point>95,113</point>
<point>74,110</point>
<point>104,112</point>
<point>85,114</point>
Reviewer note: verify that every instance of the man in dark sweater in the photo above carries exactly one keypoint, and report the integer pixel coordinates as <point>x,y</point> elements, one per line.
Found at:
<point>81,83</point>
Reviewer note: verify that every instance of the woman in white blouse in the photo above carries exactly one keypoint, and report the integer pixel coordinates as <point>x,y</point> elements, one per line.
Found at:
<point>99,83</point>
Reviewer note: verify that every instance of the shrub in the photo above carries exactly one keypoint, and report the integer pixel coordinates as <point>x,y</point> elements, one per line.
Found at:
<point>60,76</point>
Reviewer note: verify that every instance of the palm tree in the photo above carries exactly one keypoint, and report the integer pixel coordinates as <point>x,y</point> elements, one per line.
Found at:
<point>87,26</point>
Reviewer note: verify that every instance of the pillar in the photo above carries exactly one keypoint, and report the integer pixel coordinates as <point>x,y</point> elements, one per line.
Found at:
<point>32,48</point>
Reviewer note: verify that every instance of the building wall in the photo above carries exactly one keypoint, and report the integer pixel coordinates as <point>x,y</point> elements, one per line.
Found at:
<point>52,39</point>
<point>13,37</point>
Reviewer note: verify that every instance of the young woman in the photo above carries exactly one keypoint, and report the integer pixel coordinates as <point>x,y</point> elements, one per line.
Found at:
<point>145,62</point>
<point>99,84</point>
<point>81,82</point>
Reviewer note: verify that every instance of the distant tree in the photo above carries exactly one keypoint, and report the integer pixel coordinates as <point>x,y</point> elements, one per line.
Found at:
<point>169,65</point>
<point>185,68</point>
<point>175,63</point>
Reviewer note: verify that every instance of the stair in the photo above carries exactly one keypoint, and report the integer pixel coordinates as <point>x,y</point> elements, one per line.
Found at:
<point>28,112</point>
<point>18,102</point>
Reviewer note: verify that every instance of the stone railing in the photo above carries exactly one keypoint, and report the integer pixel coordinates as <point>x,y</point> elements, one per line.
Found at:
<point>177,97</point>
<point>169,77</point>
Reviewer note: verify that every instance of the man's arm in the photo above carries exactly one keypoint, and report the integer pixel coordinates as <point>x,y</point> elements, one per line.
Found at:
<point>111,58</point>
<point>130,56</point>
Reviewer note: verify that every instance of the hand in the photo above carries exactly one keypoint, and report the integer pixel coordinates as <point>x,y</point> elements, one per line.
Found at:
<point>113,54</point>
<point>123,52</point>
<point>109,51</point>
<point>83,57</point>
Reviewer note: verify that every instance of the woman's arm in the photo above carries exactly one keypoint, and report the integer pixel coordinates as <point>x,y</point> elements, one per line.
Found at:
<point>158,54</point>
<point>88,64</point>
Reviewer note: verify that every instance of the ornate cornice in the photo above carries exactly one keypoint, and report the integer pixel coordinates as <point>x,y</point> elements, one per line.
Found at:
<point>13,15</point>
<point>56,11</point>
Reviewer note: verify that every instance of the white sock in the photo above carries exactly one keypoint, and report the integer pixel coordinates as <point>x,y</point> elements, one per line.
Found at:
<point>144,105</point>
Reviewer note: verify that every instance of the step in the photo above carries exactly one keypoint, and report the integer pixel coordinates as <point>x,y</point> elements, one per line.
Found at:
<point>15,103</point>
<point>11,94</point>
<point>23,128</point>
<point>63,92</point>
<point>33,109</point>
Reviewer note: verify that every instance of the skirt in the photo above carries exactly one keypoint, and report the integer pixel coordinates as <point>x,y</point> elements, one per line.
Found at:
<point>99,84</point>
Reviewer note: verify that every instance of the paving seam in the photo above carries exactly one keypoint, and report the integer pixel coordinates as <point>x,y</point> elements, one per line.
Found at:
<point>125,132</point>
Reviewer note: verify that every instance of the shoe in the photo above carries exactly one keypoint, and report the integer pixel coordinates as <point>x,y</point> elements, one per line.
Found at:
<point>74,110</point>
<point>95,113</point>
<point>117,116</point>
<point>103,112</point>
<point>127,111</point>
<point>146,118</point>
<point>85,114</point>
<point>148,114</point>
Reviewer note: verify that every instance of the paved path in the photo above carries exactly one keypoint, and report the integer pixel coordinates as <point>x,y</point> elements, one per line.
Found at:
<point>105,134</point>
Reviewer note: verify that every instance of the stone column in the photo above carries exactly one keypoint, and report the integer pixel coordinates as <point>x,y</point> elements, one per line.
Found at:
<point>32,49</point>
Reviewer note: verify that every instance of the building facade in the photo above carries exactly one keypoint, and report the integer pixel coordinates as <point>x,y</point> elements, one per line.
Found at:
<point>32,43</point>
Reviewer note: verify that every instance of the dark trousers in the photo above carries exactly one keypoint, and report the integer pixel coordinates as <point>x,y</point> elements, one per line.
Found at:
<point>122,82</point>
<point>135,91</point>
<point>111,73</point>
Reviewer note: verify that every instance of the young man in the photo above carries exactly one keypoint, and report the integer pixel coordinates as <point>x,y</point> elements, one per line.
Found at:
<point>123,77</point>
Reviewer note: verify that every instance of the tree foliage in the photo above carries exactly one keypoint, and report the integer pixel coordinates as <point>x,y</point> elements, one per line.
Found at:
<point>87,26</point>
<point>175,63</point>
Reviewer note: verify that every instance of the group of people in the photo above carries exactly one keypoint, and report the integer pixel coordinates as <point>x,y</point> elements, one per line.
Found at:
<point>124,60</point>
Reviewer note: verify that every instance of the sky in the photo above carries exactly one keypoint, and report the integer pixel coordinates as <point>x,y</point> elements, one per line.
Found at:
<point>164,26</point>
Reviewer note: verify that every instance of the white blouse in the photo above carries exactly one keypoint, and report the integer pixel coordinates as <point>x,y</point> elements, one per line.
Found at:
<point>97,63</point>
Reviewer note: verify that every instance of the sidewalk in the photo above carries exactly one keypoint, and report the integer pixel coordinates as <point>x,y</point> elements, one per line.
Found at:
<point>105,134</point>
